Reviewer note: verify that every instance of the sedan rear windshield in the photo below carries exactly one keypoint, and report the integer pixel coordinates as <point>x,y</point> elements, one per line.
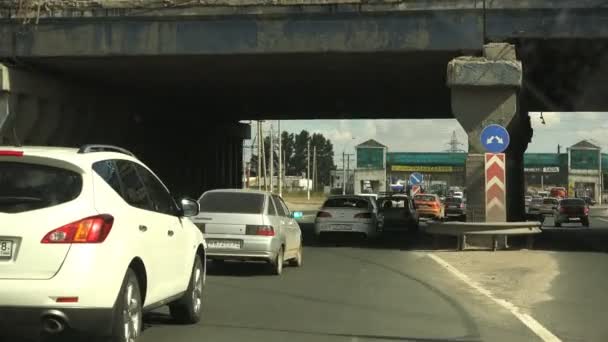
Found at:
<point>424,198</point>
<point>572,202</point>
<point>25,187</point>
<point>232,202</point>
<point>346,203</point>
<point>453,200</point>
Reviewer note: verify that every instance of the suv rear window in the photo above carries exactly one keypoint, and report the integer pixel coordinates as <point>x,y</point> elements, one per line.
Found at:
<point>348,202</point>
<point>572,202</point>
<point>25,187</point>
<point>453,200</point>
<point>232,202</point>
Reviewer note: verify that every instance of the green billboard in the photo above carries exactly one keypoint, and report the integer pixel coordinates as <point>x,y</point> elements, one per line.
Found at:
<point>370,158</point>
<point>584,160</point>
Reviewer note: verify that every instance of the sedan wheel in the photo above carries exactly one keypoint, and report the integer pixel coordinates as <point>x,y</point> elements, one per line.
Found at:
<point>297,261</point>
<point>277,265</point>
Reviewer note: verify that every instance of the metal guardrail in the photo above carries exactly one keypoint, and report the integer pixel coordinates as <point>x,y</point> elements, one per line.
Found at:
<point>493,229</point>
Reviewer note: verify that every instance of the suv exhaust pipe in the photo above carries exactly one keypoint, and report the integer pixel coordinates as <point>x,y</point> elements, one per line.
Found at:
<point>53,325</point>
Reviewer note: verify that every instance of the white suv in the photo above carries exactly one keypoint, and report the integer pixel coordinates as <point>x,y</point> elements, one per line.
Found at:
<point>90,238</point>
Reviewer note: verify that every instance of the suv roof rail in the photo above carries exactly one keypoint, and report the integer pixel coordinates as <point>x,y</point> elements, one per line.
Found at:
<point>103,148</point>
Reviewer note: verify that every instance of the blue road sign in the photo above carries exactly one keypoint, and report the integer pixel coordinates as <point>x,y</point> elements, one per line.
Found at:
<point>416,178</point>
<point>495,138</point>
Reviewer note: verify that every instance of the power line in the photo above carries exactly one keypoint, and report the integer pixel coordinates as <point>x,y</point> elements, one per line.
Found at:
<point>454,144</point>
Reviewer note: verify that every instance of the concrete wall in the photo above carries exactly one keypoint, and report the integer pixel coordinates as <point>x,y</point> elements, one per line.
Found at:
<point>188,153</point>
<point>374,175</point>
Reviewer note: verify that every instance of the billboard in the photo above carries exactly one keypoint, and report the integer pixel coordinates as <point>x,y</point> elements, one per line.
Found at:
<point>584,160</point>
<point>425,168</point>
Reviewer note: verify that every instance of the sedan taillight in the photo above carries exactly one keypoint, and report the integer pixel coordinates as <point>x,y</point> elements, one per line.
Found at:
<point>260,230</point>
<point>323,214</point>
<point>94,229</point>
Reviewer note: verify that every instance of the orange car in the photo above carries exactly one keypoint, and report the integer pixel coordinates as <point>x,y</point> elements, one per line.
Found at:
<point>429,205</point>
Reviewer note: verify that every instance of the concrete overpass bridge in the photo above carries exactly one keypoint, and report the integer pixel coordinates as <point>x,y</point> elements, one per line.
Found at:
<point>171,80</point>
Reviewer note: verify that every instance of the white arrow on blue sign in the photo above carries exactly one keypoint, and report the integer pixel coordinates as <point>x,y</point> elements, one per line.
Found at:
<point>416,178</point>
<point>495,138</point>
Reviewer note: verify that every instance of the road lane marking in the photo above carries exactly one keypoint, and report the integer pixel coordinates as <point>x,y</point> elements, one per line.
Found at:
<point>526,319</point>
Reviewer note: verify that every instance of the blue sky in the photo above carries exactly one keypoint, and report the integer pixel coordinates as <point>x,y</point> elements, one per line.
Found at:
<point>433,135</point>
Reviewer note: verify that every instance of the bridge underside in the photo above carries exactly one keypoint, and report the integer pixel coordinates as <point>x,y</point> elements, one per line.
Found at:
<point>174,89</point>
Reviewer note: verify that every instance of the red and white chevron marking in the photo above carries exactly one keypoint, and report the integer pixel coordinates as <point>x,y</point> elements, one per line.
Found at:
<point>496,209</point>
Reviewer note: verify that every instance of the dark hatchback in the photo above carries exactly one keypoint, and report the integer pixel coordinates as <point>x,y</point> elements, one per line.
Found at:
<point>455,209</point>
<point>572,210</point>
<point>397,214</point>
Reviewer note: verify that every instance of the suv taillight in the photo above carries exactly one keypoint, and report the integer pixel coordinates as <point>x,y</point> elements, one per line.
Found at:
<point>323,214</point>
<point>461,205</point>
<point>586,210</point>
<point>94,229</point>
<point>260,230</point>
<point>363,215</point>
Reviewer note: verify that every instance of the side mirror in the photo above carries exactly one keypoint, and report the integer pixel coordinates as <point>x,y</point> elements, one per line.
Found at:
<point>297,215</point>
<point>189,207</point>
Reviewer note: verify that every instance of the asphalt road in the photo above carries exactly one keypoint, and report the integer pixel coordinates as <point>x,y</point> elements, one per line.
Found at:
<point>344,294</point>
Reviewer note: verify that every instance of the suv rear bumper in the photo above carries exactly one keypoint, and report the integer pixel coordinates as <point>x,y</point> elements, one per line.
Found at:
<point>80,320</point>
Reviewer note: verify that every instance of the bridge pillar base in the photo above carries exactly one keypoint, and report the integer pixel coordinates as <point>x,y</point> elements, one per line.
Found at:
<point>484,91</point>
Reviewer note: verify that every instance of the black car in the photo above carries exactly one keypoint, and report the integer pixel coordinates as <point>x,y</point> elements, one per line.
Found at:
<point>397,213</point>
<point>588,200</point>
<point>572,210</point>
<point>455,209</point>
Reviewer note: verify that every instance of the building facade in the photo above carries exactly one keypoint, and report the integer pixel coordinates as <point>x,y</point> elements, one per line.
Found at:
<point>370,173</point>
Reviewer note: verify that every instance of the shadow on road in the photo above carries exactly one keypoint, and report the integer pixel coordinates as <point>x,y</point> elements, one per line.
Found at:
<point>238,269</point>
<point>350,336</point>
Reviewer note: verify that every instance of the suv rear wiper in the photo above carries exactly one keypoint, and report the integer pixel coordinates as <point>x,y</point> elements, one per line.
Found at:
<point>19,199</point>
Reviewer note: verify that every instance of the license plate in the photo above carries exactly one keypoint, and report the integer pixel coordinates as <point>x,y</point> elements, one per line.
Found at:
<point>453,207</point>
<point>574,218</point>
<point>6,249</point>
<point>341,227</point>
<point>224,244</point>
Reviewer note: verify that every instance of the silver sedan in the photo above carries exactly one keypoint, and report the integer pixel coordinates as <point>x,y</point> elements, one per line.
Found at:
<point>249,225</point>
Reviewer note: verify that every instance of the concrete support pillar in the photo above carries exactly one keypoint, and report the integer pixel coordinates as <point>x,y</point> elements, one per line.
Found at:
<point>484,91</point>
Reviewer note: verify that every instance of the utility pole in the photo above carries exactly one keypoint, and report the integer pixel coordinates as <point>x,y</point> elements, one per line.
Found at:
<point>259,171</point>
<point>308,171</point>
<point>263,159</point>
<point>314,168</point>
<point>343,174</point>
<point>271,149</point>
<point>280,161</point>
<point>347,168</point>
<point>284,166</point>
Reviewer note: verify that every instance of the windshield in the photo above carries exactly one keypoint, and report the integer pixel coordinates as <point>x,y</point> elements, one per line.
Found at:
<point>25,187</point>
<point>232,202</point>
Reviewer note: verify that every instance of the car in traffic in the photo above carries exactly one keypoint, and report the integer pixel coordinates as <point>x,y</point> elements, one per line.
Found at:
<point>558,192</point>
<point>527,200</point>
<point>248,225</point>
<point>535,205</point>
<point>348,214</point>
<point>548,206</point>
<point>90,239</point>
<point>429,206</point>
<point>590,201</point>
<point>572,210</point>
<point>397,213</point>
<point>455,209</point>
